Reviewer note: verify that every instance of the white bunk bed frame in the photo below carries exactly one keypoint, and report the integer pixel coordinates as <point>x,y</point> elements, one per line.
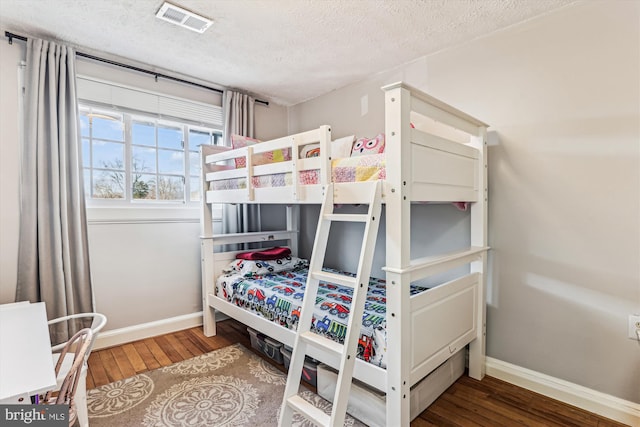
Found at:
<point>423,330</point>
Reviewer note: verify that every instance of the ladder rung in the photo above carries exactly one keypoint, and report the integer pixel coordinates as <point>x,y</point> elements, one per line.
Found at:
<point>309,411</point>
<point>340,279</point>
<point>347,217</point>
<point>321,342</point>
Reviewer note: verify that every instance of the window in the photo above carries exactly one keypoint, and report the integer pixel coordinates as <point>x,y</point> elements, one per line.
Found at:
<point>137,158</point>
<point>140,147</point>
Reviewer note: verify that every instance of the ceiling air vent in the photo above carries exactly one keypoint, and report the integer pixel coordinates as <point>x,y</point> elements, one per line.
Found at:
<point>182,17</point>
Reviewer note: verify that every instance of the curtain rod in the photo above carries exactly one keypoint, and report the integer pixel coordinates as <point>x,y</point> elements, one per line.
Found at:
<point>12,36</point>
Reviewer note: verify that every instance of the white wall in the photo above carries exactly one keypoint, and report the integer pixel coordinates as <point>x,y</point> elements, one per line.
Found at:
<point>562,92</point>
<point>145,262</point>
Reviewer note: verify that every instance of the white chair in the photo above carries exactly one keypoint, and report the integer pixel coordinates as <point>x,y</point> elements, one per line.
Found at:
<point>98,321</point>
<point>75,349</point>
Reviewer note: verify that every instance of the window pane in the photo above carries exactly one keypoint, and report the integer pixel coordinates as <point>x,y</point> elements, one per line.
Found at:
<point>108,155</point>
<point>143,186</point>
<point>107,128</point>
<point>194,163</point>
<point>194,194</point>
<point>144,159</point>
<point>170,188</point>
<point>84,125</point>
<point>86,153</point>
<point>169,137</point>
<point>108,184</point>
<point>198,137</point>
<point>143,133</point>
<point>170,161</point>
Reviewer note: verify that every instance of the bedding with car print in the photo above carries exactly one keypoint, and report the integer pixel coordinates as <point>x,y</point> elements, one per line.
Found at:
<point>276,294</point>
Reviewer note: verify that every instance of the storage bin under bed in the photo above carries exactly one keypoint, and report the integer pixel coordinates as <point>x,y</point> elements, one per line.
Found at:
<point>369,405</point>
<point>265,345</point>
<point>309,369</point>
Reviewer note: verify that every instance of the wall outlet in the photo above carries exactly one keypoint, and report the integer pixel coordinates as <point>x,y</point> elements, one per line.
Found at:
<point>634,326</point>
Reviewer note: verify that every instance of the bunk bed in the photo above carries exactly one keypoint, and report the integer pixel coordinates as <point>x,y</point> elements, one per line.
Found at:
<point>434,154</point>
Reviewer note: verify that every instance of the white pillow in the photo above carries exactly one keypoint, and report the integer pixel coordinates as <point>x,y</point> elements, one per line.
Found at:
<point>247,267</point>
<point>341,147</point>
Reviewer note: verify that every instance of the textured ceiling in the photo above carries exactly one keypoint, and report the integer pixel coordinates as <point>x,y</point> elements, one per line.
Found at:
<point>286,51</point>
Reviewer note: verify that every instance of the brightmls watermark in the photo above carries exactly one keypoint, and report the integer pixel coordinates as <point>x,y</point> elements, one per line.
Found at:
<point>34,415</point>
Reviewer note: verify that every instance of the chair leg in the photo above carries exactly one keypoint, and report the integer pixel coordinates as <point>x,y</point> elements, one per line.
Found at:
<point>81,399</point>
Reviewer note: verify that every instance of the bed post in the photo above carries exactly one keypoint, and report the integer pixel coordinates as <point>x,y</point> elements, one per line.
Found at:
<point>206,244</point>
<point>477,347</point>
<point>398,228</point>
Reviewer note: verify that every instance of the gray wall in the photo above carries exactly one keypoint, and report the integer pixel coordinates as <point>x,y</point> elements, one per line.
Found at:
<point>562,95</point>
<point>145,261</point>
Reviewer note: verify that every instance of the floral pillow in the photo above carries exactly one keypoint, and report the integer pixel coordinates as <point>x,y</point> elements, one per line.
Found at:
<point>239,141</point>
<point>365,146</point>
<point>262,267</point>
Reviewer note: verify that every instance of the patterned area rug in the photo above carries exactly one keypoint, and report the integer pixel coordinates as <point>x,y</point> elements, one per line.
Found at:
<point>227,387</point>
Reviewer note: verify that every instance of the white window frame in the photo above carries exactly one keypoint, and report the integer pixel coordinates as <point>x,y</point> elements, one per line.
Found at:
<point>128,120</point>
<point>136,102</point>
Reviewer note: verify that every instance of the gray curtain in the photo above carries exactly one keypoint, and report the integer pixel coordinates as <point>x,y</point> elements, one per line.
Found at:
<point>239,120</point>
<point>53,259</point>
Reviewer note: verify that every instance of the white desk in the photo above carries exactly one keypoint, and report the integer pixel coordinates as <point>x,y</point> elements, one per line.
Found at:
<point>26,363</point>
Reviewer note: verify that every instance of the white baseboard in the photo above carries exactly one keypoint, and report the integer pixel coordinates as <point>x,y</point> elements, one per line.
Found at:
<point>590,400</point>
<point>146,330</point>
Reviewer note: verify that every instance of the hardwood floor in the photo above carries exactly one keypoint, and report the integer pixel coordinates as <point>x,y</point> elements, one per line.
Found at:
<point>468,402</point>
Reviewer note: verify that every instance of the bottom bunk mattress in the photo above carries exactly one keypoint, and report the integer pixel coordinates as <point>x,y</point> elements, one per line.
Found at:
<point>278,297</point>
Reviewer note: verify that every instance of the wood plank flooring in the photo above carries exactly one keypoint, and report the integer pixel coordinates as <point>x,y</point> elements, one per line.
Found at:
<point>468,402</point>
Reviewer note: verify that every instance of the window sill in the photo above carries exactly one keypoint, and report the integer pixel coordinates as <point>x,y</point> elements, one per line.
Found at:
<point>144,215</point>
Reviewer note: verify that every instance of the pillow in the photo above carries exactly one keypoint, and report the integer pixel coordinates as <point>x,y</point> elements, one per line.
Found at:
<point>365,146</point>
<point>262,267</point>
<point>310,150</point>
<point>239,141</point>
<point>266,254</point>
<point>342,147</point>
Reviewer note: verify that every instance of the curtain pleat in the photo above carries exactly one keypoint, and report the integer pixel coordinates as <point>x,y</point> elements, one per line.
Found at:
<point>239,120</point>
<point>239,110</point>
<point>53,258</point>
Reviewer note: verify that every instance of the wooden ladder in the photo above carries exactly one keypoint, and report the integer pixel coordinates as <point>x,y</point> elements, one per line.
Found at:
<point>292,402</point>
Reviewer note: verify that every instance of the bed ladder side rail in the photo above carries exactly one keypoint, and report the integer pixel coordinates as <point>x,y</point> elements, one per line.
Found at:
<point>292,402</point>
